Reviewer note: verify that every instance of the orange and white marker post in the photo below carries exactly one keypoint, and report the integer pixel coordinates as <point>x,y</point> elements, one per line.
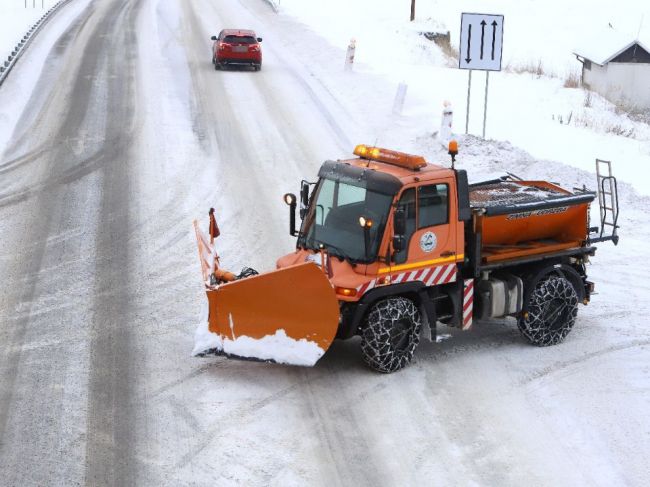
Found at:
<point>444,136</point>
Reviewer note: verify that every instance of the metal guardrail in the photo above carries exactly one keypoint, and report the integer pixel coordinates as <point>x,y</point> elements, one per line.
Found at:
<point>7,65</point>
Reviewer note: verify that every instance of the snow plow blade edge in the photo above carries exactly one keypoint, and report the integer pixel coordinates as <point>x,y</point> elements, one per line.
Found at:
<point>287,316</point>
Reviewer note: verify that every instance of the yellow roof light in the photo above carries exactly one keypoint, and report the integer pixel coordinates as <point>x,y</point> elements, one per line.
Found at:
<point>396,158</point>
<point>361,150</point>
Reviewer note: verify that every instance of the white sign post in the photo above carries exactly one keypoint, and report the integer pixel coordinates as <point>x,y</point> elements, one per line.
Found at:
<point>481,46</point>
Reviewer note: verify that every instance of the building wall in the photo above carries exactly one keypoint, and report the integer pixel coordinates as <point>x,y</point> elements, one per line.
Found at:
<point>627,83</point>
<point>595,78</point>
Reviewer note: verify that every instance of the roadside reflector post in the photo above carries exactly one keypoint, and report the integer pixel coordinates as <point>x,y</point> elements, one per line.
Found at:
<point>349,56</point>
<point>400,97</point>
<point>444,136</point>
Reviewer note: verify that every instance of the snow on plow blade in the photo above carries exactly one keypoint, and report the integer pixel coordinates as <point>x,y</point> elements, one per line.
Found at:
<point>287,316</point>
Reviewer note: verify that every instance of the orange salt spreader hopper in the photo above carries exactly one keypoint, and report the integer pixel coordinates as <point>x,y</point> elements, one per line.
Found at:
<point>288,315</point>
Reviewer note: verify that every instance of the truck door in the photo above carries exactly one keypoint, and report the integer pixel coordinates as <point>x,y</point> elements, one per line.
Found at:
<point>430,238</point>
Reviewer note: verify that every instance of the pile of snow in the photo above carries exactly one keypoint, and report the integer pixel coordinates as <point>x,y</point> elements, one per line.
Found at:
<point>278,347</point>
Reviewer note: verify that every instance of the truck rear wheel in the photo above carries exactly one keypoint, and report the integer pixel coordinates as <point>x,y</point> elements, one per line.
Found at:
<point>550,312</point>
<point>391,334</point>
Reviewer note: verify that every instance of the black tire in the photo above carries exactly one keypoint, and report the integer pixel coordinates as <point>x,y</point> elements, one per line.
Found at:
<point>391,332</point>
<point>217,66</point>
<point>550,312</point>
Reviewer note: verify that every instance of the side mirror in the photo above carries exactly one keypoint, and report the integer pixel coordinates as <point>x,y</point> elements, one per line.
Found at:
<point>399,243</point>
<point>399,222</point>
<point>214,38</point>
<point>259,39</point>
<point>304,199</point>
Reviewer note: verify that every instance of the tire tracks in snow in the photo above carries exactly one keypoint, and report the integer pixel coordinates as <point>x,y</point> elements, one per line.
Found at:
<point>29,245</point>
<point>566,364</point>
<point>111,416</point>
<point>239,416</point>
<point>244,187</point>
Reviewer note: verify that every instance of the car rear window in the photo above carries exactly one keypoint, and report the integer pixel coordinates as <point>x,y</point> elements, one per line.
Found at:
<point>240,40</point>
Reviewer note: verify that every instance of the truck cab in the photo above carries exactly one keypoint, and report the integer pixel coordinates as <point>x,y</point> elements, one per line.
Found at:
<point>356,205</point>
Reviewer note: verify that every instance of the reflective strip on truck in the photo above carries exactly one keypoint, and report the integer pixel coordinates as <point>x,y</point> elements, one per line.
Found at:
<point>430,276</point>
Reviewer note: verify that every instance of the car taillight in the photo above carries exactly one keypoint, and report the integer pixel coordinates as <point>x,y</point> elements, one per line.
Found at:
<point>223,46</point>
<point>254,48</point>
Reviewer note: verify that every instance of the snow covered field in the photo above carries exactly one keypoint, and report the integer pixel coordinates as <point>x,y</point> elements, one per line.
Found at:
<point>109,149</point>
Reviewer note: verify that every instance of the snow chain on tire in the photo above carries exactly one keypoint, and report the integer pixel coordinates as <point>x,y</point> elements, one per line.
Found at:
<point>391,334</point>
<point>552,311</point>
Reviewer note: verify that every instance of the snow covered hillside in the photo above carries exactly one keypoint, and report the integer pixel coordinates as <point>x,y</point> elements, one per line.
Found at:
<point>530,110</point>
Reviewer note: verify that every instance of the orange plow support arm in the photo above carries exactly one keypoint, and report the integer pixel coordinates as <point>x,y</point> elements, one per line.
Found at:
<point>287,316</point>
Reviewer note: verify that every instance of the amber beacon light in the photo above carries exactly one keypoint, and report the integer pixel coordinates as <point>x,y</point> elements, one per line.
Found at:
<point>396,158</point>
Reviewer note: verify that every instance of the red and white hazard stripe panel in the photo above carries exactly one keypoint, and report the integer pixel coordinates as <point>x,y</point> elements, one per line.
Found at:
<point>468,303</point>
<point>430,276</point>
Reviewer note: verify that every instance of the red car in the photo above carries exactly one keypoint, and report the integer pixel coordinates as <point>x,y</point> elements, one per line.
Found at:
<point>237,47</point>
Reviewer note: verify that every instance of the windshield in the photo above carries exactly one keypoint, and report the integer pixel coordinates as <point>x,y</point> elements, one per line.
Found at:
<point>333,220</point>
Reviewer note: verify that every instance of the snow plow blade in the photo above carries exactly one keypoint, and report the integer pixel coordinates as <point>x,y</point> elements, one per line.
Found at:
<point>286,316</point>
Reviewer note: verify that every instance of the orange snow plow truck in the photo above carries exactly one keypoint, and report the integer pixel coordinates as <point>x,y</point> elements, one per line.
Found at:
<point>390,246</point>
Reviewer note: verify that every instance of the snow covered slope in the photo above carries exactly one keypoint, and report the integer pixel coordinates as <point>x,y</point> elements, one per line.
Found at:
<point>535,112</point>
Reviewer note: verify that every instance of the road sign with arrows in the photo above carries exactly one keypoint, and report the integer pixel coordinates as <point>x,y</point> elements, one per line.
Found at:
<point>481,42</point>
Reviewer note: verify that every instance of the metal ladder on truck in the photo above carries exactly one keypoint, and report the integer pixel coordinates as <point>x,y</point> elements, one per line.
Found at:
<point>607,201</point>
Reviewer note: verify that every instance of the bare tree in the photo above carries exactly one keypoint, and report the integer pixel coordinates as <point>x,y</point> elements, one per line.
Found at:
<point>412,10</point>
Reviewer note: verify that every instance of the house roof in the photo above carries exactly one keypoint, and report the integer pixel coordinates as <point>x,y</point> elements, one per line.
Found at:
<point>606,45</point>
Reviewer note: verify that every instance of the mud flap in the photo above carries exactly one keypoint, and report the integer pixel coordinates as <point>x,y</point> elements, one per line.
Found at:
<point>287,316</point>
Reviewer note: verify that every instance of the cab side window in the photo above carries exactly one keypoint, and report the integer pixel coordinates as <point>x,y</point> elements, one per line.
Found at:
<point>433,205</point>
<point>407,203</point>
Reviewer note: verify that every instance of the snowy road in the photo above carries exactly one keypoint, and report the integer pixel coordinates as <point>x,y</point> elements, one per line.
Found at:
<point>129,135</point>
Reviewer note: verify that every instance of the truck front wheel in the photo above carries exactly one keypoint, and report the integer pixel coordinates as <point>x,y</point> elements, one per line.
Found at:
<point>550,312</point>
<point>390,334</point>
